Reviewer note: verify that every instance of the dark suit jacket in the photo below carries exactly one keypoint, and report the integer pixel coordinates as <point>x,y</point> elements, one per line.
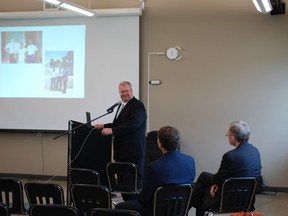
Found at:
<point>172,168</point>
<point>129,130</point>
<point>242,161</point>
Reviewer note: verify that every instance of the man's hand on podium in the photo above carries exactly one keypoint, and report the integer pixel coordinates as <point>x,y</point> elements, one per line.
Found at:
<point>104,131</point>
<point>107,131</point>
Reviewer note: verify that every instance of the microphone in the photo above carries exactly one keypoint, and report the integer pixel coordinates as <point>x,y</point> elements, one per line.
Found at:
<point>110,109</point>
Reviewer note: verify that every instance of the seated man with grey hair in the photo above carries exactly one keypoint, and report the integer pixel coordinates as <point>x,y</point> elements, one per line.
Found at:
<point>243,161</point>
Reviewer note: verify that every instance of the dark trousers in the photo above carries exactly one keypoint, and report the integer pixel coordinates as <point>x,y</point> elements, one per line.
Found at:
<point>201,198</point>
<point>130,205</point>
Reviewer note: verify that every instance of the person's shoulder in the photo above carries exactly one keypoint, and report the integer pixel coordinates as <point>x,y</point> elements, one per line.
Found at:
<point>253,148</point>
<point>182,155</point>
<point>155,165</point>
<point>188,157</point>
<point>242,149</point>
<point>229,154</point>
<point>247,145</point>
<point>135,102</point>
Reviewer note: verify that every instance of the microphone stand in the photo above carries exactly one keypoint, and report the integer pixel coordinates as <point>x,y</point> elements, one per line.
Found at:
<point>81,125</point>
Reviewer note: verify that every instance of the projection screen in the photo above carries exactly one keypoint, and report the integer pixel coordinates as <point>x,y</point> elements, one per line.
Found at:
<point>55,70</point>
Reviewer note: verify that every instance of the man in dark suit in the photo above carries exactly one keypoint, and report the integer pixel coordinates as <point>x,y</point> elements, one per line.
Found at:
<point>243,161</point>
<point>128,129</point>
<point>173,167</point>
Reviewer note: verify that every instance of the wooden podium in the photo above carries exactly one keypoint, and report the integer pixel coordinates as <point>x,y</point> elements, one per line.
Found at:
<point>88,148</point>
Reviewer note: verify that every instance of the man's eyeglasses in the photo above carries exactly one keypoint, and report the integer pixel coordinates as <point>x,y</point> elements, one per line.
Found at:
<point>124,92</point>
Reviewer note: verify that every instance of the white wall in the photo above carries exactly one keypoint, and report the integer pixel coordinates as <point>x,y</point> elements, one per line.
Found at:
<point>33,154</point>
<point>234,67</point>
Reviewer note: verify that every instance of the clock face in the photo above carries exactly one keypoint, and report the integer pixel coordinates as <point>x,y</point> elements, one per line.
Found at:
<point>172,53</point>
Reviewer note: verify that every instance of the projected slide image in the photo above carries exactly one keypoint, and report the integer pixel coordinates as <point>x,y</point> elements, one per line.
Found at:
<point>59,71</point>
<point>40,96</point>
<point>21,47</point>
<point>42,62</point>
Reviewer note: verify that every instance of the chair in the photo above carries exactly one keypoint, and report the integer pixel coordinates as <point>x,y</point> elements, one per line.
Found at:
<point>113,212</point>
<point>44,193</point>
<point>122,177</point>
<point>4,210</point>
<point>53,210</point>
<point>172,200</point>
<point>237,195</point>
<point>86,197</point>
<point>11,194</point>
<point>84,176</point>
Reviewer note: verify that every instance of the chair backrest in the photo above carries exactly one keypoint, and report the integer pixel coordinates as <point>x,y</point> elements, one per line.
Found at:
<point>11,194</point>
<point>122,177</point>
<point>237,194</point>
<point>113,212</point>
<point>84,176</point>
<point>86,197</point>
<point>44,193</point>
<point>53,210</point>
<point>172,200</point>
<point>4,210</point>
<point>81,176</point>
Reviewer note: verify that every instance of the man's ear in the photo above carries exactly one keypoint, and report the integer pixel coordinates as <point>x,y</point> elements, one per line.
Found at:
<point>159,143</point>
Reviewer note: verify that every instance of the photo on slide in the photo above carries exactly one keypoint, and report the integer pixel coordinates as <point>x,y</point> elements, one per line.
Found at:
<point>59,71</point>
<point>20,47</point>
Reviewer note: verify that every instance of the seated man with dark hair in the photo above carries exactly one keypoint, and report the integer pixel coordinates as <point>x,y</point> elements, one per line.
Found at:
<point>243,161</point>
<point>173,167</point>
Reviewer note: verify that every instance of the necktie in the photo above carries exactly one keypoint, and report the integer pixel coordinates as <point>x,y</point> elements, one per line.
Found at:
<point>119,110</point>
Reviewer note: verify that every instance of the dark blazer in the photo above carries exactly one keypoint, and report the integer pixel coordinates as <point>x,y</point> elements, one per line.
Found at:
<point>129,130</point>
<point>243,161</point>
<point>172,168</point>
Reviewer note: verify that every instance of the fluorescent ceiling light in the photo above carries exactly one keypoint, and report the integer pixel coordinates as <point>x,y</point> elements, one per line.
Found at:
<point>263,6</point>
<point>72,7</point>
<point>76,9</point>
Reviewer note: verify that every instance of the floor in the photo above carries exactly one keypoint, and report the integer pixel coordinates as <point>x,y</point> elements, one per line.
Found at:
<point>268,204</point>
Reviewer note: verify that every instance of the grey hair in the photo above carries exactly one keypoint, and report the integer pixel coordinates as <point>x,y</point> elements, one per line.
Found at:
<point>125,83</point>
<point>240,130</point>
